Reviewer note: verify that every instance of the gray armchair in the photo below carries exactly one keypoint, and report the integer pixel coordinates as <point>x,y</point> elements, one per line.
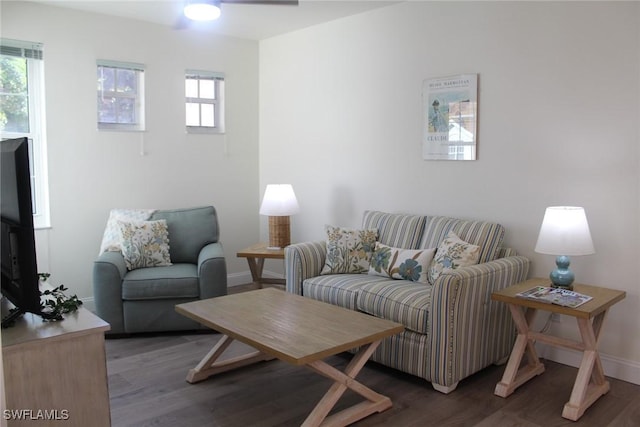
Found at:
<point>143,300</point>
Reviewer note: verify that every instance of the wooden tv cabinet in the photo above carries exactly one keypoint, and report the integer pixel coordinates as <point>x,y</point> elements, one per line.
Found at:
<point>55,373</point>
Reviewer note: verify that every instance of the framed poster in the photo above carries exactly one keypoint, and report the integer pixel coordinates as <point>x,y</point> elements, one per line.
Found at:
<point>450,111</point>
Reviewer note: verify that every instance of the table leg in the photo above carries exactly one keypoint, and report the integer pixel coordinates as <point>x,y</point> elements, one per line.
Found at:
<point>210,365</point>
<point>256,265</point>
<point>590,382</point>
<point>514,375</point>
<point>346,380</point>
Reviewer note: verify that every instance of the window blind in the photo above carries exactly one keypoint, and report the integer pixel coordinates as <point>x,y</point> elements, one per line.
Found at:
<point>198,74</point>
<point>120,64</point>
<point>21,49</point>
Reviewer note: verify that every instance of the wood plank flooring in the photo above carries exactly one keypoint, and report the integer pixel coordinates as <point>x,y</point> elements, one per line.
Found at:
<point>147,387</point>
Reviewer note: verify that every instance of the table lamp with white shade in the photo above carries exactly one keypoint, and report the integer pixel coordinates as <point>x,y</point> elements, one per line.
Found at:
<point>278,203</point>
<point>564,232</point>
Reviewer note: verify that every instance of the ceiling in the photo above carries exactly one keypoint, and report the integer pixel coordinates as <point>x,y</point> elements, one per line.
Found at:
<point>249,21</point>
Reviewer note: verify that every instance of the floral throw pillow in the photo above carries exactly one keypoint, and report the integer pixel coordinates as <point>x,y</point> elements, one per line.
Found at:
<point>144,243</point>
<point>451,254</point>
<point>406,264</point>
<point>348,251</point>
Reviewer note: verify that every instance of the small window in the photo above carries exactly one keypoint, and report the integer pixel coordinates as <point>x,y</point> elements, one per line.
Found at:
<point>204,102</point>
<point>120,96</point>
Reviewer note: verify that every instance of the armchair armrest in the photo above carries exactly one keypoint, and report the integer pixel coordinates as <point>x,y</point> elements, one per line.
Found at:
<point>302,261</point>
<point>212,271</point>
<point>109,270</point>
<point>473,331</point>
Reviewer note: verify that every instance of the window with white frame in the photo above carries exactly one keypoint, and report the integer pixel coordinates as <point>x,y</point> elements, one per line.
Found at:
<point>22,114</point>
<point>120,95</point>
<point>204,101</point>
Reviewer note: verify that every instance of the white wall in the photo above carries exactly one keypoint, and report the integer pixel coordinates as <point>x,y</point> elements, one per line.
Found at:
<point>92,172</point>
<point>559,90</point>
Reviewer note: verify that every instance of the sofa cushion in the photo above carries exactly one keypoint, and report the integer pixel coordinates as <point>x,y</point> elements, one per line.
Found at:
<point>406,264</point>
<point>451,254</point>
<point>144,243</point>
<point>487,235</point>
<point>190,230</point>
<point>399,301</point>
<point>348,250</point>
<point>338,289</point>
<point>394,229</point>
<point>174,281</point>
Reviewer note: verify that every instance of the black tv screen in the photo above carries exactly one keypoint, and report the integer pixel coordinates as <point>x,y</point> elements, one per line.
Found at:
<point>20,284</point>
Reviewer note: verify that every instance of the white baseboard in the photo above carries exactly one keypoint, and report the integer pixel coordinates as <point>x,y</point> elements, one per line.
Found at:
<point>244,277</point>
<point>236,279</point>
<point>614,367</point>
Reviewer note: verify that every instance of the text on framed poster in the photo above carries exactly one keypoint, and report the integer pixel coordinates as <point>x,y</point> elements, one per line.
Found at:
<point>450,111</point>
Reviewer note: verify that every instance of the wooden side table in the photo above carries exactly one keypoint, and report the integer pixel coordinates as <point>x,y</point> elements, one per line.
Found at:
<point>590,382</point>
<point>255,255</point>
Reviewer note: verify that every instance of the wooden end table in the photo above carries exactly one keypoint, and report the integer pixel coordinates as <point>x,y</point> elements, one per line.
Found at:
<point>300,331</point>
<point>590,382</point>
<point>255,255</point>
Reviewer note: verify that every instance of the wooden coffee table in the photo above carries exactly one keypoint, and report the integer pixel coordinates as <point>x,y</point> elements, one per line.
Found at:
<point>300,331</point>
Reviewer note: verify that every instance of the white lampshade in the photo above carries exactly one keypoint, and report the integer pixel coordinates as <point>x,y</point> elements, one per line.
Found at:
<point>202,10</point>
<point>279,200</point>
<point>565,231</point>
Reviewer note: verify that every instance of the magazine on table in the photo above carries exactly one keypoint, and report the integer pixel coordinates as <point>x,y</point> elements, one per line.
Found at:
<point>557,296</point>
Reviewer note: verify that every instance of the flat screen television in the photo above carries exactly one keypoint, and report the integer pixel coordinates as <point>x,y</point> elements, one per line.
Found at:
<point>20,281</point>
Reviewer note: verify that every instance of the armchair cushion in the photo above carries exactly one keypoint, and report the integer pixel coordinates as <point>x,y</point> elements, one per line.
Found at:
<point>175,281</point>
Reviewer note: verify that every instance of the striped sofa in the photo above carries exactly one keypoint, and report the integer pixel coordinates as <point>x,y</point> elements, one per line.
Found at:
<point>452,327</point>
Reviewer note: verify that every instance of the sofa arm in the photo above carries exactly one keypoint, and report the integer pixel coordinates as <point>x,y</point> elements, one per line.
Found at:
<point>212,271</point>
<point>109,270</point>
<point>303,261</point>
<point>473,331</point>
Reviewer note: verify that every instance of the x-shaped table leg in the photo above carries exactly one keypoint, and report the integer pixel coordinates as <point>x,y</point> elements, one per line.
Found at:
<point>210,365</point>
<point>590,382</point>
<point>346,380</point>
<point>514,374</point>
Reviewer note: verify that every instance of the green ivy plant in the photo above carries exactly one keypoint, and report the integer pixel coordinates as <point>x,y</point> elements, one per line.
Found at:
<point>54,302</point>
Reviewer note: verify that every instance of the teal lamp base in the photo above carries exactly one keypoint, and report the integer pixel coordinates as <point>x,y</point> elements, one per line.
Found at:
<point>562,277</point>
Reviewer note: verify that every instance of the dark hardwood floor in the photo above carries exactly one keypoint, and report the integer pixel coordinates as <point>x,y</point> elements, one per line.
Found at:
<point>148,388</point>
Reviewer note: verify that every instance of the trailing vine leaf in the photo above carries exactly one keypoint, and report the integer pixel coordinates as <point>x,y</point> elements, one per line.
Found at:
<point>55,303</point>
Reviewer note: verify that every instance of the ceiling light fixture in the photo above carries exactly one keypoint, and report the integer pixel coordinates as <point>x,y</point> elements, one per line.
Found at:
<point>202,10</point>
